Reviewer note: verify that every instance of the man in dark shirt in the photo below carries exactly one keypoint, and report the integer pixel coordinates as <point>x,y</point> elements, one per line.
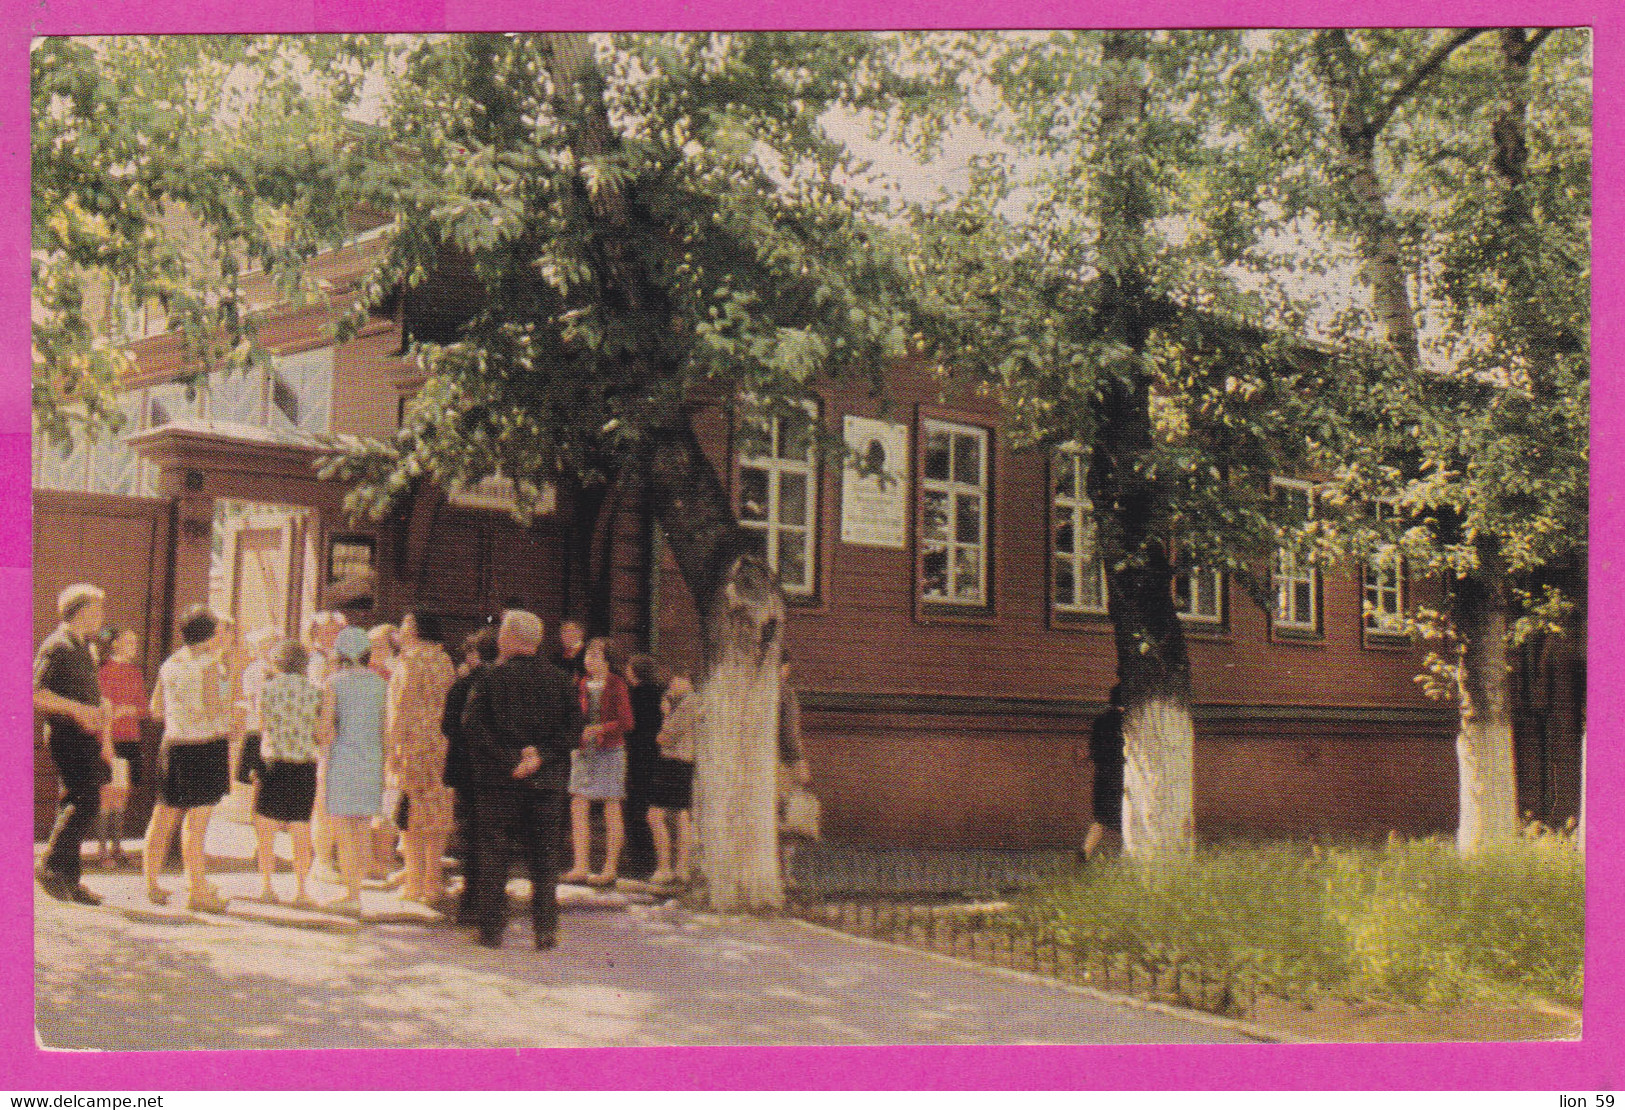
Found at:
<point>479,652</point>
<point>520,725</point>
<point>68,694</point>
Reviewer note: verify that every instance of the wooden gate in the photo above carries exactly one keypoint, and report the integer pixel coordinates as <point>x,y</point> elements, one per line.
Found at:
<point>123,545</point>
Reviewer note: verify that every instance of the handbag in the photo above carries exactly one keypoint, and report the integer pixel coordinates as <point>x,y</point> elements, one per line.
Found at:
<point>800,811</point>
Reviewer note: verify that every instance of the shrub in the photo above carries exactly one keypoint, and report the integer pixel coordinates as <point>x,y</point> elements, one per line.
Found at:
<point>1407,922</point>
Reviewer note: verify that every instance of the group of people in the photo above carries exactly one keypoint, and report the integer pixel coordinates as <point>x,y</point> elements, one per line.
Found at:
<point>350,738</point>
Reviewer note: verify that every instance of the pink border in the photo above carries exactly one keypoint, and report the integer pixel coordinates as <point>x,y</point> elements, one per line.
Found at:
<point>1591,1064</point>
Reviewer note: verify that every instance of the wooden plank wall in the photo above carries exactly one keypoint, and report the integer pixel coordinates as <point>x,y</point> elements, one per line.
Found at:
<point>121,544</point>
<point>982,775</point>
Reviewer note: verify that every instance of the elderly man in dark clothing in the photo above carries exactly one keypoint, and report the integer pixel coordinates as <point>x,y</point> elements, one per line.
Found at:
<point>522,720</point>
<point>68,694</point>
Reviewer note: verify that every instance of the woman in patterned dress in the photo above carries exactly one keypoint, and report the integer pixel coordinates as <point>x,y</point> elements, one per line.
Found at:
<point>289,704</point>
<point>416,751</point>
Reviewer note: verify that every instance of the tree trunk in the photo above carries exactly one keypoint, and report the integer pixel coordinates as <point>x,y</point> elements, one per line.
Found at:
<point>586,504</point>
<point>1153,667</point>
<point>1159,737</point>
<point>1488,806</point>
<point>1488,782</point>
<point>740,605</point>
<point>1356,113</point>
<point>742,618</point>
<point>1131,513</point>
<point>735,772</point>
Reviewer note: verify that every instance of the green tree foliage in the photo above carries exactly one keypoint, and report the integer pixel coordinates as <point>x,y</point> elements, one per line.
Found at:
<point>165,171</point>
<point>1455,166</point>
<point>1081,276</point>
<point>676,227</point>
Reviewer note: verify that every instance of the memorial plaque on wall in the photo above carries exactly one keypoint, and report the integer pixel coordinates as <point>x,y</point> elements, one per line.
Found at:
<point>874,483</point>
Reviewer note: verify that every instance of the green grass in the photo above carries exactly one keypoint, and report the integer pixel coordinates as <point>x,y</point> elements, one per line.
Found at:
<point>1408,922</point>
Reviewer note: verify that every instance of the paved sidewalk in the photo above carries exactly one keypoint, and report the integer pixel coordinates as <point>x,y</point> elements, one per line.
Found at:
<point>128,976</point>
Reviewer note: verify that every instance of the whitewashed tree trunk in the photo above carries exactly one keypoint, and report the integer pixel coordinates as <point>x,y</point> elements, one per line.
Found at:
<point>1158,776</point>
<point>1489,788</point>
<point>1488,813</point>
<point>736,752</point>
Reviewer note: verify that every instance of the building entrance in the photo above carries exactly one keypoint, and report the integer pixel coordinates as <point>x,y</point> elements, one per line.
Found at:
<point>263,565</point>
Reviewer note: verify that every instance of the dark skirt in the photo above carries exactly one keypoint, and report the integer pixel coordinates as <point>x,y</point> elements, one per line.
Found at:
<point>130,751</point>
<point>194,775</point>
<point>287,791</point>
<point>249,762</point>
<point>670,784</point>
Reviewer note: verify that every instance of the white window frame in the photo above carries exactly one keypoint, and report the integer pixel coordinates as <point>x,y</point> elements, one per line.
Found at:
<point>772,528</point>
<point>1375,617</point>
<point>1084,559</point>
<point>953,490</point>
<point>1186,608</point>
<point>1289,572</point>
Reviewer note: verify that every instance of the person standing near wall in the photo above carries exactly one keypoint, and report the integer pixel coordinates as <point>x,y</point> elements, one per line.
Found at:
<point>671,790</point>
<point>571,657</point>
<point>422,678</point>
<point>479,652</point>
<point>255,673</point>
<point>321,632</point>
<point>1106,753</point>
<point>389,827</point>
<point>290,709</point>
<point>598,767</point>
<point>353,728</point>
<point>642,756</point>
<point>68,693</point>
<point>193,697</point>
<point>123,685</point>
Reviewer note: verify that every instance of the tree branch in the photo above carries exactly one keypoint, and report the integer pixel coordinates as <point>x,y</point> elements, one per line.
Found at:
<point>1421,73</point>
<point>1533,44</point>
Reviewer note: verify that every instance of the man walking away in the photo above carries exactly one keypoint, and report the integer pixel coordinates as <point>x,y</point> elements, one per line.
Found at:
<point>520,724</point>
<point>68,693</point>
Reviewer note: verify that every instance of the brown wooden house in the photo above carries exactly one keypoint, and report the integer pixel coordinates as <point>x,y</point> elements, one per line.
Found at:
<point>947,627</point>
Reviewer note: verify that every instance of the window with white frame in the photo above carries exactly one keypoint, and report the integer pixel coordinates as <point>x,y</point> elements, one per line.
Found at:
<point>1384,581</point>
<point>1077,573</point>
<point>1297,587</point>
<point>953,514</point>
<point>1199,595</point>
<point>778,495</point>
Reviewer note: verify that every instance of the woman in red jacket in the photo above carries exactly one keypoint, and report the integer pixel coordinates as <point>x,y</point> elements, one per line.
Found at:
<point>123,685</point>
<point>598,767</point>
